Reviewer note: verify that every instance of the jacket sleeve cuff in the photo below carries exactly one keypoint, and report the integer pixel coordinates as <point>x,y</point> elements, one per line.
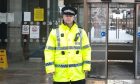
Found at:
<point>50,69</point>
<point>87,66</point>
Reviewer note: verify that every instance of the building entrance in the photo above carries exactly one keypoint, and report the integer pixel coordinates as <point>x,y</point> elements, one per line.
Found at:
<point>121,30</point>
<point>112,32</point>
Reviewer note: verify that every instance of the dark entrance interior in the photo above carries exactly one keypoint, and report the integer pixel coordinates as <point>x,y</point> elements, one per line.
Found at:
<point>3,25</point>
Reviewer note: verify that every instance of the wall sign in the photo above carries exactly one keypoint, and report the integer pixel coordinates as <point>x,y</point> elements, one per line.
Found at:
<point>38,14</point>
<point>34,31</point>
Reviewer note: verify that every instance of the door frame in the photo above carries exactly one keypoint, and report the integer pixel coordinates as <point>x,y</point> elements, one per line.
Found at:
<point>136,37</point>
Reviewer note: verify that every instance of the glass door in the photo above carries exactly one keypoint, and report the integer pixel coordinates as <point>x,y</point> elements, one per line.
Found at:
<point>97,22</point>
<point>121,23</point>
<point>121,42</point>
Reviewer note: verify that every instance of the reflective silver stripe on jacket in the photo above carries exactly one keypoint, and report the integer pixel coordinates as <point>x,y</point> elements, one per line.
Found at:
<point>49,63</point>
<point>87,62</point>
<point>68,65</point>
<point>58,36</point>
<point>66,47</point>
<point>86,46</point>
<point>72,65</point>
<point>80,30</point>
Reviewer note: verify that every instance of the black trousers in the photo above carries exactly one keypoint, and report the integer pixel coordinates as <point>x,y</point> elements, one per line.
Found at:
<point>72,82</point>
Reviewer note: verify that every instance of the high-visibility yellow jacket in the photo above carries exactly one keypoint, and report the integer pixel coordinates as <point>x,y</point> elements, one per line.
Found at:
<point>67,53</point>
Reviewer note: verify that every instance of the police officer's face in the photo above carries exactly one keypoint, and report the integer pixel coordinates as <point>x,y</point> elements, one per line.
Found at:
<point>68,19</point>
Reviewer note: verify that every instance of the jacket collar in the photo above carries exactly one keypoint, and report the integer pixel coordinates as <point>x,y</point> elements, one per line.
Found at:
<point>65,27</point>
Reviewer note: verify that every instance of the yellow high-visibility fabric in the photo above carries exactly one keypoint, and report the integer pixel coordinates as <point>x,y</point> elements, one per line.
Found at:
<point>69,59</point>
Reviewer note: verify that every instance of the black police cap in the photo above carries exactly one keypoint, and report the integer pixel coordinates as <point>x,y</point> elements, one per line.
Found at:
<point>69,10</point>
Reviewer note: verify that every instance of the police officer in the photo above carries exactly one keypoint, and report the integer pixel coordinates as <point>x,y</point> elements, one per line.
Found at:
<point>68,52</point>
